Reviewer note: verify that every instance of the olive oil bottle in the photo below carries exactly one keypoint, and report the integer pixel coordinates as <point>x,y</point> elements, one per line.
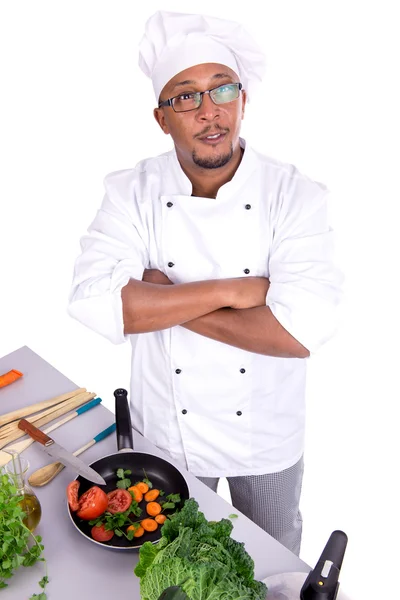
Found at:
<point>32,509</point>
<point>17,469</point>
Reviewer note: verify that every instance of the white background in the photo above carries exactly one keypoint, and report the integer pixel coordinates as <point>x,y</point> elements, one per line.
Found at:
<point>75,106</point>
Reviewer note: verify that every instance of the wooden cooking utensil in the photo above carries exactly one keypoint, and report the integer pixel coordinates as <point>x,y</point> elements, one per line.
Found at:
<point>29,410</point>
<point>11,428</point>
<point>64,408</point>
<point>24,444</point>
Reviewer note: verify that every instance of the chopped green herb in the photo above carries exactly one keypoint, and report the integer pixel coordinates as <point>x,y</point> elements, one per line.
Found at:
<point>118,521</point>
<point>124,482</point>
<point>14,537</point>
<point>174,498</point>
<point>44,581</point>
<point>147,480</point>
<point>233,516</point>
<point>170,501</point>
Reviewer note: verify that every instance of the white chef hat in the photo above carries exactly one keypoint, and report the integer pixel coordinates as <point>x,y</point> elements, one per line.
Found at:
<point>174,42</point>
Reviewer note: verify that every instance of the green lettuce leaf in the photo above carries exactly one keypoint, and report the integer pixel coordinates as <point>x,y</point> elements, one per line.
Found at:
<point>221,529</point>
<point>243,563</point>
<point>147,554</point>
<point>198,581</point>
<point>189,516</point>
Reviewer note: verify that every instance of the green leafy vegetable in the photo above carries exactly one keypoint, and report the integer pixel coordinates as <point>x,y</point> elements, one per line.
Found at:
<point>170,501</point>
<point>174,593</point>
<point>119,521</point>
<point>166,505</point>
<point>175,498</point>
<point>146,480</point>
<point>15,537</point>
<point>233,516</point>
<point>199,558</point>
<point>124,482</point>
<point>147,555</point>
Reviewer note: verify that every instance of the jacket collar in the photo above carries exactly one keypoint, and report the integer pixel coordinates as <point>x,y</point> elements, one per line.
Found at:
<point>182,185</point>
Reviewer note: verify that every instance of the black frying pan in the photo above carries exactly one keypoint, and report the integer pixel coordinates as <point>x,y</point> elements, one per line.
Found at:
<point>161,473</point>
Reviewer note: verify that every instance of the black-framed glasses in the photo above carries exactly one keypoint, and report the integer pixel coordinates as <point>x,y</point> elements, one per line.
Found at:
<point>192,100</point>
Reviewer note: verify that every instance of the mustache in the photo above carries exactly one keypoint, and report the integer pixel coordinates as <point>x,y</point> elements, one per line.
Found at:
<point>211,128</point>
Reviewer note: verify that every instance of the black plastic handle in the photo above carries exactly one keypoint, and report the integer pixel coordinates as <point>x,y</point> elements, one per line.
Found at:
<point>123,420</point>
<point>335,549</point>
<point>322,583</point>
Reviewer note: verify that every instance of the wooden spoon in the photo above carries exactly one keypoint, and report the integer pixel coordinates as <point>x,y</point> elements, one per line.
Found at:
<point>47,473</point>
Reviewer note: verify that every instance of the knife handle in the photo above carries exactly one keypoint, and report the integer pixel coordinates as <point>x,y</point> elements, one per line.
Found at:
<point>35,433</point>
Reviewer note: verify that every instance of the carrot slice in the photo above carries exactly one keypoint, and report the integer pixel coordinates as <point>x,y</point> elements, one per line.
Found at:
<point>143,487</point>
<point>137,494</point>
<point>138,530</point>
<point>153,509</point>
<point>160,519</point>
<point>151,495</point>
<point>149,524</point>
<point>10,377</point>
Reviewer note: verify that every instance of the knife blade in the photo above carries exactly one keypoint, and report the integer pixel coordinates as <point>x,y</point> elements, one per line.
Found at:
<point>61,454</point>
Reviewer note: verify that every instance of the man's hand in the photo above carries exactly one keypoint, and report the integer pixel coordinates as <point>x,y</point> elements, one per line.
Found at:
<point>249,292</point>
<point>156,276</point>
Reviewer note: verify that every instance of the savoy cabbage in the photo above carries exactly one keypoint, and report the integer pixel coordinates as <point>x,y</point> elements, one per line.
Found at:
<point>200,558</point>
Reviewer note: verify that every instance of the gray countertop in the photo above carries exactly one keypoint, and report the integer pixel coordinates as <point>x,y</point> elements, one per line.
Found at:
<point>77,568</point>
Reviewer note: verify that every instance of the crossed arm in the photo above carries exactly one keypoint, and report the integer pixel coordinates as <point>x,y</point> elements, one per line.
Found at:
<point>231,311</point>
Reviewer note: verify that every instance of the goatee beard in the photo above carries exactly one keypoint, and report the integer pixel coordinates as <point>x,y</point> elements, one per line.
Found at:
<point>212,163</point>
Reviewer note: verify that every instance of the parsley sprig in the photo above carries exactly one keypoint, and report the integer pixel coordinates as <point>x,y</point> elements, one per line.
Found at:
<point>124,482</point>
<point>170,501</point>
<point>15,536</point>
<point>119,521</point>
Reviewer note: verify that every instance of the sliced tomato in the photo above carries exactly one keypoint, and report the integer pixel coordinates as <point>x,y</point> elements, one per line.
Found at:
<point>72,494</point>
<point>101,534</point>
<point>119,501</point>
<point>92,503</point>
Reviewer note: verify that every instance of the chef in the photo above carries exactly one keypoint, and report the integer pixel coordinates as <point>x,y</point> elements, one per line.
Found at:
<point>215,263</point>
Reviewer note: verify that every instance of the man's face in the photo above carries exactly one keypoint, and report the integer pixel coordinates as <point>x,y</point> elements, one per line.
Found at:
<point>189,130</point>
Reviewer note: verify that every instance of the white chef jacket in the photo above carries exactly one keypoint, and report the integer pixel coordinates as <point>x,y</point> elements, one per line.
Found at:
<point>218,410</point>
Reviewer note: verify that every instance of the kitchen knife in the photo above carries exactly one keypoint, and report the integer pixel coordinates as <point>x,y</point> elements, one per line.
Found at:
<point>59,453</point>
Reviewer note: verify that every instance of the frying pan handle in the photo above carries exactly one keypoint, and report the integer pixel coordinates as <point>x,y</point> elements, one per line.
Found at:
<point>123,420</point>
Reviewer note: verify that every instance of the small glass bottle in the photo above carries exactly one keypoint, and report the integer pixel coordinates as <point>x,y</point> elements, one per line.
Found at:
<point>17,469</point>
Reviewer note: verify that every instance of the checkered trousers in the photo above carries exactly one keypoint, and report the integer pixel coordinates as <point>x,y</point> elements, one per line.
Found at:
<point>271,501</point>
